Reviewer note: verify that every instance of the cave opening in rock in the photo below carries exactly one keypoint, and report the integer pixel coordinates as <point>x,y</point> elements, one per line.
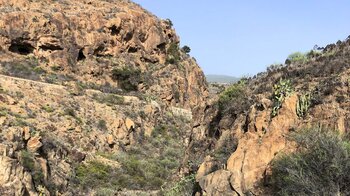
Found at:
<point>21,48</point>
<point>161,47</point>
<point>128,36</point>
<point>132,50</point>
<point>81,55</point>
<point>114,30</point>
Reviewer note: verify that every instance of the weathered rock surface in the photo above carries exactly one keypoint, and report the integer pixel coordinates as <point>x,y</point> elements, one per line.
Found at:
<point>217,183</point>
<point>255,149</point>
<point>13,179</point>
<point>34,144</point>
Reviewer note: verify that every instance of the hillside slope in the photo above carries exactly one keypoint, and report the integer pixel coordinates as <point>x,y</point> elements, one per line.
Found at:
<point>249,123</point>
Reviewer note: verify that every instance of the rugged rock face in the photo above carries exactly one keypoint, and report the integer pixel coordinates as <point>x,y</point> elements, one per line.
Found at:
<point>86,40</point>
<point>96,97</point>
<point>259,136</point>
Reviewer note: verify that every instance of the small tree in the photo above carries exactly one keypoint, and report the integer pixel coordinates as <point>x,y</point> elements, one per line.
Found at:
<point>296,57</point>
<point>128,77</point>
<point>170,23</point>
<point>173,54</point>
<point>186,49</point>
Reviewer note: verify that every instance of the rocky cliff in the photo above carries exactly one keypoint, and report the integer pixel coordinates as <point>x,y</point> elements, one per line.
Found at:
<point>106,43</point>
<point>96,98</point>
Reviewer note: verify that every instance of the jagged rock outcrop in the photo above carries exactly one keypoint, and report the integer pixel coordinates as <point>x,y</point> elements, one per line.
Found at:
<point>87,40</point>
<point>14,180</point>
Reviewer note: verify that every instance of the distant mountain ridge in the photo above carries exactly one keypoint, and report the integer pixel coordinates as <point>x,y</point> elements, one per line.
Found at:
<point>215,78</point>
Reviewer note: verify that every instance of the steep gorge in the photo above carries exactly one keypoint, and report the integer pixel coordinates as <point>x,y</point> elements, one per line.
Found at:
<point>97,98</point>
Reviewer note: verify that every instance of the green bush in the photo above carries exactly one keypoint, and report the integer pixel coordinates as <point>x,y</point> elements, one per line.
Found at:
<point>184,186</point>
<point>3,111</point>
<point>127,77</point>
<point>102,125</point>
<point>47,108</point>
<point>173,54</point>
<point>94,174</point>
<point>281,91</point>
<point>320,166</point>
<point>27,69</point>
<point>232,94</point>
<point>170,23</point>
<point>71,112</point>
<point>296,57</point>
<point>186,49</point>
<point>27,160</point>
<point>313,53</point>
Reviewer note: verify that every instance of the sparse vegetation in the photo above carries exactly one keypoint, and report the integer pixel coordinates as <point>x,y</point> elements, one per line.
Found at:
<point>186,49</point>
<point>128,78</point>
<point>232,93</point>
<point>56,68</point>
<point>320,166</point>
<point>3,111</point>
<point>296,57</point>
<point>18,121</point>
<point>47,108</point>
<point>28,70</point>
<point>281,91</point>
<point>313,54</point>
<point>102,125</point>
<point>170,23</point>
<point>2,90</point>
<point>109,99</point>
<point>145,166</point>
<point>303,104</point>
<point>95,174</point>
<point>184,186</point>
<point>71,112</point>
<point>173,54</point>
<point>27,160</point>
<point>228,146</point>
<point>274,67</point>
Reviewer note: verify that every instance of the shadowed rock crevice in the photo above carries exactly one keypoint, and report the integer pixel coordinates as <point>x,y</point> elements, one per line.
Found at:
<point>132,50</point>
<point>81,55</point>
<point>50,47</point>
<point>114,30</point>
<point>21,47</point>
<point>128,37</point>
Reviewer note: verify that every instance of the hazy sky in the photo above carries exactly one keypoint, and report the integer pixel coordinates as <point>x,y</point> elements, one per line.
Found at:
<point>242,37</point>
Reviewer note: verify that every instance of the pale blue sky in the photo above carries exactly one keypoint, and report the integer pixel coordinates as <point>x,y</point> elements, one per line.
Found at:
<point>242,37</point>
